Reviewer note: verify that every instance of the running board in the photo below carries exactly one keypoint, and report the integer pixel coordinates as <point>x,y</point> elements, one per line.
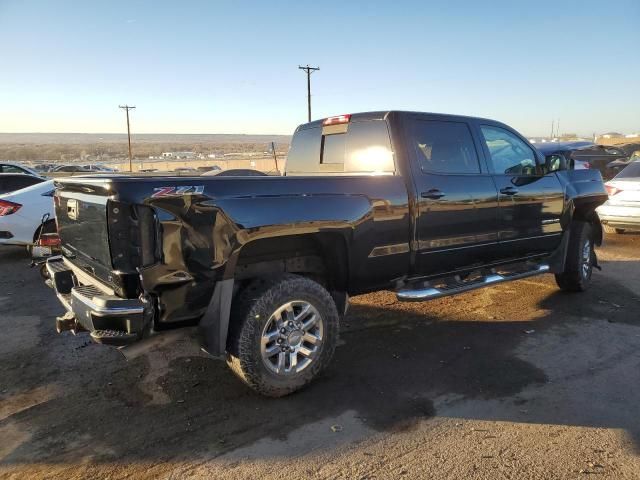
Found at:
<point>412,294</point>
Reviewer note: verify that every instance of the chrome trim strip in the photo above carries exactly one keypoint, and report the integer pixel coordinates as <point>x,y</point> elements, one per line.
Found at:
<point>389,250</point>
<point>95,199</point>
<point>85,279</point>
<point>103,311</point>
<point>64,302</point>
<point>554,234</point>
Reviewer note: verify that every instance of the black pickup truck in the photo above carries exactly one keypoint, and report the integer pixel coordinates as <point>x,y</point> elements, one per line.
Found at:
<point>426,205</point>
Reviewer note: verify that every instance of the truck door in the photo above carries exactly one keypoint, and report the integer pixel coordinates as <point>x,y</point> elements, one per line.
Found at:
<point>531,202</point>
<point>457,218</point>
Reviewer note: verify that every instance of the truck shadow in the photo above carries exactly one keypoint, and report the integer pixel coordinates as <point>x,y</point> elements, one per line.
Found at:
<point>398,364</point>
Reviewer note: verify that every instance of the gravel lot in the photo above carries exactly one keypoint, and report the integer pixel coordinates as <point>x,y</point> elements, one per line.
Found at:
<point>516,381</point>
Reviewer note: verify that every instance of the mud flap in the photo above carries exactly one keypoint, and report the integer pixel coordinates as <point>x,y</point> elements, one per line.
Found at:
<point>558,258</point>
<point>214,324</point>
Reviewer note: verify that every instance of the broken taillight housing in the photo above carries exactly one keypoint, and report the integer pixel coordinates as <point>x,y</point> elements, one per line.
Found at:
<point>7,207</point>
<point>611,190</point>
<point>49,240</point>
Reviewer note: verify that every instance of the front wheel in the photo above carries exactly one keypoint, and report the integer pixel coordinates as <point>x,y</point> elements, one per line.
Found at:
<point>283,332</point>
<point>580,259</point>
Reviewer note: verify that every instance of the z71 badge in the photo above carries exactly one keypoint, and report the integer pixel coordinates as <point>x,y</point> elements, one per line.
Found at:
<point>180,190</point>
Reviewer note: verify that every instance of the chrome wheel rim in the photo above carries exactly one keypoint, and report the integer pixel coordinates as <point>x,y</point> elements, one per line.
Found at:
<point>292,338</point>
<point>586,259</point>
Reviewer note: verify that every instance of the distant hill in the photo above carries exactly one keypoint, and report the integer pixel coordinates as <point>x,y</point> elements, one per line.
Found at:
<point>162,138</point>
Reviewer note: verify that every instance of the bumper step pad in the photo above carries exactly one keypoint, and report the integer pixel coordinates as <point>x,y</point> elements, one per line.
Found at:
<point>116,338</point>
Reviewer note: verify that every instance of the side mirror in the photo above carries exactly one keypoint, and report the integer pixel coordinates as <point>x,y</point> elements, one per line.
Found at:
<point>555,163</point>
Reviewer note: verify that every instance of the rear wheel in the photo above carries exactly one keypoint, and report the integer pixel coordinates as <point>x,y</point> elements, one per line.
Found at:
<point>283,333</point>
<point>580,259</point>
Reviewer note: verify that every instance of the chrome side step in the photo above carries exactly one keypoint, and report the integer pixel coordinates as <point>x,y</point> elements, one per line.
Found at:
<point>411,293</point>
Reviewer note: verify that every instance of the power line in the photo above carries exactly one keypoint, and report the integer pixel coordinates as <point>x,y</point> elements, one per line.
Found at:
<point>127,108</point>
<point>309,70</point>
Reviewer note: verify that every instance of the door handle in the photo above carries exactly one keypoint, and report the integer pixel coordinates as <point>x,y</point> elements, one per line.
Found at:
<point>508,191</point>
<point>433,194</point>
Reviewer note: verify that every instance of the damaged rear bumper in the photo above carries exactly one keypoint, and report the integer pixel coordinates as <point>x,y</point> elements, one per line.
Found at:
<point>90,307</point>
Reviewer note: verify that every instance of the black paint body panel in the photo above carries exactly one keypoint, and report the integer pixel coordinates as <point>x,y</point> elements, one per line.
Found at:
<point>387,229</point>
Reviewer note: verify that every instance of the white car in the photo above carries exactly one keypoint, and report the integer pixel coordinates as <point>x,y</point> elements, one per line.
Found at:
<point>622,211</point>
<point>8,167</point>
<point>21,213</point>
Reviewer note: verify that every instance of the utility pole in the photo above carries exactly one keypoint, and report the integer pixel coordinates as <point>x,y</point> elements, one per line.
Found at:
<point>309,70</point>
<point>127,108</point>
<point>275,156</point>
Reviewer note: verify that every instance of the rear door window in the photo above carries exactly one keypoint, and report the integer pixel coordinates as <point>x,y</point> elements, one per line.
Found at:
<point>444,147</point>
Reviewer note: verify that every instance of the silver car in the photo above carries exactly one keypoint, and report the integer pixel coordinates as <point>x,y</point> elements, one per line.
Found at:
<point>622,211</point>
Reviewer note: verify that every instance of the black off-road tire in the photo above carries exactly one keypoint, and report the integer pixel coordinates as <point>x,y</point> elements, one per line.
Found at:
<point>609,229</point>
<point>251,311</point>
<point>577,278</point>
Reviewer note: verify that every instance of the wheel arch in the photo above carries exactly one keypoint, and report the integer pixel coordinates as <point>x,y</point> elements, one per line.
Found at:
<point>321,256</point>
<point>586,212</point>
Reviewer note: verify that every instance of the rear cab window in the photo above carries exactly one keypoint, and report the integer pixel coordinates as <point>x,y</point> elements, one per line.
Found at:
<point>353,148</point>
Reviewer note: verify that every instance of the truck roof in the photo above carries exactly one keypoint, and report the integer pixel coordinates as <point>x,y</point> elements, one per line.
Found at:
<point>382,114</point>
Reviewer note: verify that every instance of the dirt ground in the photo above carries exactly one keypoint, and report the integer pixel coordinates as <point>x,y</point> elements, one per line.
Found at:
<point>517,381</point>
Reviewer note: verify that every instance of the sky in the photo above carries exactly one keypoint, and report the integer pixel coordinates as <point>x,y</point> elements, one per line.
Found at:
<point>232,66</point>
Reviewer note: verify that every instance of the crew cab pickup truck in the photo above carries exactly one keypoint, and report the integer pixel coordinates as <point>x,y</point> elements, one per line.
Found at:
<point>422,204</point>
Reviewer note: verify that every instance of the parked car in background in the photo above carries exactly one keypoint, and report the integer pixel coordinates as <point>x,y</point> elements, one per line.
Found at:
<point>209,169</point>
<point>599,157</point>
<point>45,167</point>
<point>71,169</point>
<point>562,152</point>
<point>634,154</point>
<point>234,172</point>
<point>622,211</point>
<point>98,167</point>
<point>630,149</point>
<point>21,213</point>
<point>10,182</point>
<point>9,167</point>
<point>587,155</point>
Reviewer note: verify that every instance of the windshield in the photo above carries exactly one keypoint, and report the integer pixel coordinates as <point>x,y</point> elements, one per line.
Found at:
<point>631,171</point>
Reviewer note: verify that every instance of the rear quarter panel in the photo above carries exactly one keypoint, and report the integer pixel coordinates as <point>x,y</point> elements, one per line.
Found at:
<point>203,233</point>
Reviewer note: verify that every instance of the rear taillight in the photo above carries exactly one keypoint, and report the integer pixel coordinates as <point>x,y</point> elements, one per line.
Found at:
<point>611,190</point>
<point>7,207</point>
<point>337,120</point>
<point>49,240</point>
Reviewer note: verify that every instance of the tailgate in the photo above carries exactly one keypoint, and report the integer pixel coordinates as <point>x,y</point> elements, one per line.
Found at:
<point>104,236</point>
<point>82,225</point>
<point>81,213</point>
